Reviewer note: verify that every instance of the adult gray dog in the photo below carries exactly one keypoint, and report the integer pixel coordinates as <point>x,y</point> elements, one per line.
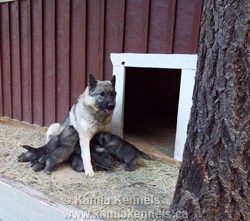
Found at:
<point>91,113</point>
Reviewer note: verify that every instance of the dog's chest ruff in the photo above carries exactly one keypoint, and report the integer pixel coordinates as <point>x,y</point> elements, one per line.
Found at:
<point>84,117</point>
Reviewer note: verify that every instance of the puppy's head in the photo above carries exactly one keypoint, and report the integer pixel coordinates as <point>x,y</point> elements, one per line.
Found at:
<point>103,93</point>
<point>108,141</point>
<point>103,138</point>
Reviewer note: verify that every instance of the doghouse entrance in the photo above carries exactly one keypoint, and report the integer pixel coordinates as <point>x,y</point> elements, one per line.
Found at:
<point>186,64</point>
<point>151,107</point>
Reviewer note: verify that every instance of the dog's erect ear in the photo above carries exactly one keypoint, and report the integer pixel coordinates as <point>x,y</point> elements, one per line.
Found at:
<point>113,80</point>
<point>92,82</point>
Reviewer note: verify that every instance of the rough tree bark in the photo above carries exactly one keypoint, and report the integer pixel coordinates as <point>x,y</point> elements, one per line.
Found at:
<point>214,178</point>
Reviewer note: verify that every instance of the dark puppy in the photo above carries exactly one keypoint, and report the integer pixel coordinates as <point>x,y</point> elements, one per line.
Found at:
<point>75,160</point>
<point>35,155</point>
<point>119,148</point>
<point>67,140</point>
<point>56,151</point>
<point>101,161</point>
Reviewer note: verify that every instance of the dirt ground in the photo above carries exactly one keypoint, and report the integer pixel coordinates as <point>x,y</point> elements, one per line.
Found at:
<point>147,190</point>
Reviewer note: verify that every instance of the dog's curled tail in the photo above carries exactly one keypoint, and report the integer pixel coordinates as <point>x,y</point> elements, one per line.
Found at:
<point>144,156</point>
<point>53,131</point>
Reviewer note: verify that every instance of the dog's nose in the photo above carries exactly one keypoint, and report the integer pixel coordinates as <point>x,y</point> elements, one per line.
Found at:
<point>111,107</point>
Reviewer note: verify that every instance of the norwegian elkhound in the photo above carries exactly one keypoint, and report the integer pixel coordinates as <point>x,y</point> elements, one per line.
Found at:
<point>101,161</point>
<point>92,113</point>
<point>119,148</point>
<point>57,151</point>
<point>33,154</point>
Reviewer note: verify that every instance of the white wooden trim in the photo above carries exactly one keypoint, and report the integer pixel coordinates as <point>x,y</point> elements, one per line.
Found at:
<point>117,119</point>
<point>187,64</point>
<point>184,107</point>
<point>171,61</point>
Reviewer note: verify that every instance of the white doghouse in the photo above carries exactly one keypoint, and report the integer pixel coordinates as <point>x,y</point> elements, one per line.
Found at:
<point>186,63</point>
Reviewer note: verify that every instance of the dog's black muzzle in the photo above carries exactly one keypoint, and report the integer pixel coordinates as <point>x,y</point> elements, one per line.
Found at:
<point>109,108</point>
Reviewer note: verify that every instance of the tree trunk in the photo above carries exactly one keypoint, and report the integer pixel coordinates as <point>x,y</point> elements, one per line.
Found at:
<point>214,178</point>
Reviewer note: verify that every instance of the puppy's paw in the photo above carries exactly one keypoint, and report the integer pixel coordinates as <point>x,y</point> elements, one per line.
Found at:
<point>48,172</point>
<point>37,167</point>
<point>21,158</point>
<point>129,167</point>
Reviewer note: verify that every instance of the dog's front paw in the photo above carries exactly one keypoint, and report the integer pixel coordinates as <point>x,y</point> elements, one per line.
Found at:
<point>89,172</point>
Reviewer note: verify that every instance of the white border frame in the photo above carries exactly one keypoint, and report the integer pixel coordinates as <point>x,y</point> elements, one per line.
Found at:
<point>187,64</point>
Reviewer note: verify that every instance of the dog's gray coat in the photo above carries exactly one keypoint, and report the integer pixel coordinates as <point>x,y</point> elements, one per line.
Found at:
<point>101,161</point>
<point>57,151</point>
<point>92,113</point>
<point>119,148</point>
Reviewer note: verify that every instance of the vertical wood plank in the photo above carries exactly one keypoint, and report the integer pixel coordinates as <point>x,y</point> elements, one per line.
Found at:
<point>6,59</point>
<point>195,27</point>
<point>78,49</point>
<point>145,26</point>
<point>114,32</point>
<point>62,58</point>
<point>15,61</point>
<point>37,61</point>
<point>136,28</point>
<point>170,26</point>
<point>25,38</point>
<point>49,62</point>
<point>95,38</point>
<point>101,38</point>
<point>158,29</point>
<point>183,28</point>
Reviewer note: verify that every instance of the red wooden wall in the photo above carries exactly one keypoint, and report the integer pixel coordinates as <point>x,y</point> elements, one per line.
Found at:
<point>47,47</point>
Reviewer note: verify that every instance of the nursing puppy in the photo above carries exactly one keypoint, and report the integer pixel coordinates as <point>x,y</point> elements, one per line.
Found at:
<point>101,161</point>
<point>68,139</point>
<point>57,151</point>
<point>33,154</point>
<point>92,113</point>
<point>119,148</point>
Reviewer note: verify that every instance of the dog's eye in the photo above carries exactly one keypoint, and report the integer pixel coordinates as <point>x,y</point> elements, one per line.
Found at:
<point>113,93</point>
<point>102,93</point>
